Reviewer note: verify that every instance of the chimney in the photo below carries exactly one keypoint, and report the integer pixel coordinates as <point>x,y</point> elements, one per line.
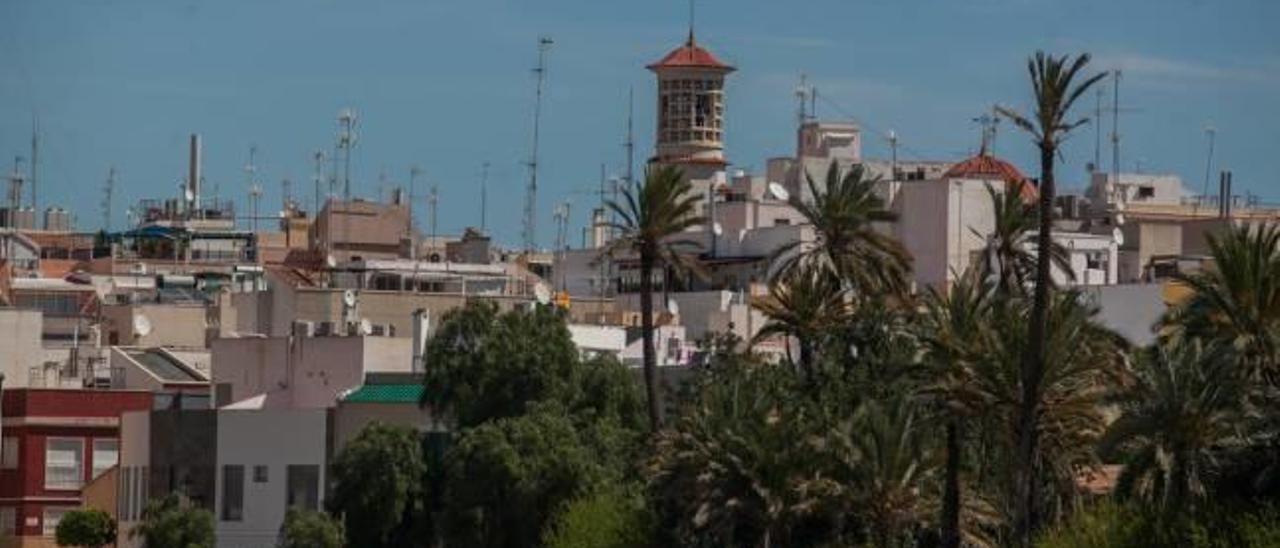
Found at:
<point>421,325</point>
<point>193,175</point>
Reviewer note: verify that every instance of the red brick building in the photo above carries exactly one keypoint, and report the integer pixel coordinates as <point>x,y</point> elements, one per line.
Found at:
<point>53,442</point>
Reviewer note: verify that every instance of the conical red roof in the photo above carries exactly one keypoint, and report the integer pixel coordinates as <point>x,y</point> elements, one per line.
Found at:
<point>690,55</point>
<point>986,166</point>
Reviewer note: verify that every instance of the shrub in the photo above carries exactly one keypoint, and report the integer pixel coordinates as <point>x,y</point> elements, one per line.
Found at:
<point>86,527</point>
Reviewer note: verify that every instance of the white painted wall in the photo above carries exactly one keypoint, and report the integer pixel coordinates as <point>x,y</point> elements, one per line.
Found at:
<point>275,438</point>
<point>20,347</point>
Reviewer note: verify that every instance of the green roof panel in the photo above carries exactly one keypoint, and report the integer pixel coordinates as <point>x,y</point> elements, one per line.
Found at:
<point>386,393</point>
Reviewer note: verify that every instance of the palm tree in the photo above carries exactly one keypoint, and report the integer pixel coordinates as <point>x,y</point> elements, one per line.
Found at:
<point>1053,82</point>
<point>955,332</point>
<point>1236,300</point>
<point>843,216</point>
<point>1181,418</point>
<point>1008,255</point>
<point>650,222</point>
<point>807,303</point>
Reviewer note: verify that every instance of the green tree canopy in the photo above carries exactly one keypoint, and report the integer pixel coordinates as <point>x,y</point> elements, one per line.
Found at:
<point>612,517</point>
<point>310,529</point>
<point>378,481</point>
<point>174,522</point>
<point>88,527</point>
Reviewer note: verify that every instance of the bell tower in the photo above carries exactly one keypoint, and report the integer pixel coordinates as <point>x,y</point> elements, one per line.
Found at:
<point>690,129</point>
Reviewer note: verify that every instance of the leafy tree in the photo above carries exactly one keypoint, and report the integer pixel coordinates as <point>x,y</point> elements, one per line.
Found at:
<point>483,364</point>
<point>807,303</point>
<point>1009,255</point>
<point>956,329</point>
<point>1055,87</point>
<point>1182,416</point>
<point>378,486</point>
<point>652,220</point>
<point>844,215</point>
<point>505,479</point>
<point>173,521</point>
<point>89,527</point>
<point>613,517</point>
<point>310,529</point>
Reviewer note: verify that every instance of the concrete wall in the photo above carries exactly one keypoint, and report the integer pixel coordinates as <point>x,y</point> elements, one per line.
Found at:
<point>1130,309</point>
<point>175,325</point>
<point>350,418</point>
<point>20,347</point>
<point>254,438</point>
<point>314,371</point>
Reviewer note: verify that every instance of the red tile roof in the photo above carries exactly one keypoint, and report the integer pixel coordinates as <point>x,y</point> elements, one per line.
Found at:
<point>986,166</point>
<point>690,55</point>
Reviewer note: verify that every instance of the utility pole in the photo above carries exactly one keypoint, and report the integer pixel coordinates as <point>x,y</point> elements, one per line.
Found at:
<point>107,191</point>
<point>531,196</point>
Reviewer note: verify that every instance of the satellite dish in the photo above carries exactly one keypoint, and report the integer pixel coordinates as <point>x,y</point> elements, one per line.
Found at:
<point>330,261</point>
<point>542,293</point>
<point>1119,219</point>
<point>141,325</point>
<point>186,193</point>
<point>717,229</point>
<point>366,327</point>
<point>349,297</point>
<point>1117,235</point>
<point>673,307</point>
<point>779,192</point>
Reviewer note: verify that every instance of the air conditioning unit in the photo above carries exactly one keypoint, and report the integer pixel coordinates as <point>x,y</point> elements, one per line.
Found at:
<point>304,329</point>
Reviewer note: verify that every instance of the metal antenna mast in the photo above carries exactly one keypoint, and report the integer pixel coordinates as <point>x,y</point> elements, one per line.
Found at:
<point>286,193</point>
<point>1115,126</point>
<point>346,140</point>
<point>630,145</point>
<point>16,180</point>
<point>1097,131</point>
<point>531,197</point>
<point>414,172</point>
<point>434,200</point>
<point>107,191</point>
<point>254,191</point>
<point>317,177</point>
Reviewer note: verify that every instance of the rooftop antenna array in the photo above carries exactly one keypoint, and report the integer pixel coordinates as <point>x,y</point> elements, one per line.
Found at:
<point>531,196</point>
<point>316,178</point>
<point>107,190</point>
<point>255,191</point>
<point>346,141</point>
<point>414,172</point>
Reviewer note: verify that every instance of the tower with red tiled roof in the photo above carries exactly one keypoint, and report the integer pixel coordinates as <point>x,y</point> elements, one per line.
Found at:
<point>690,129</point>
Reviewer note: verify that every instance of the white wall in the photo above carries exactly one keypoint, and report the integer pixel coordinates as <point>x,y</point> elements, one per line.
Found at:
<point>275,438</point>
<point>20,347</point>
<point>312,370</point>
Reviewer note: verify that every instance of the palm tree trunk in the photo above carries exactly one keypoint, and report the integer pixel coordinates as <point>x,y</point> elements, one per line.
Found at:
<point>951,491</point>
<point>806,358</point>
<point>646,330</point>
<point>1033,360</point>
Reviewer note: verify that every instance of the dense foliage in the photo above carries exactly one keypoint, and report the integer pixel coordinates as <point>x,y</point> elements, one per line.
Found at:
<point>87,527</point>
<point>310,529</point>
<point>174,521</point>
<point>378,483</point>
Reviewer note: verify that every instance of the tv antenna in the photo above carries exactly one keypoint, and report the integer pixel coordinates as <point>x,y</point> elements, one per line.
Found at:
<point>1212,133</point>
<point>255,191</point>
<point>484,196</point>
<point>531,196</point>
<point>346,141</point>
<point>16,180</point>
<point>107,190</point>
<point>317,177</point>
<point>414,172</point>
<point>35,159</point>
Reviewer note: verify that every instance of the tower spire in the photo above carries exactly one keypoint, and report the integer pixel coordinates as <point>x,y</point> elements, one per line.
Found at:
<point>692,3</point>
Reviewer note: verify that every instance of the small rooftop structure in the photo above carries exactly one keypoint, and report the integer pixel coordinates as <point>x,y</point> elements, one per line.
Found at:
<point>690,55</point>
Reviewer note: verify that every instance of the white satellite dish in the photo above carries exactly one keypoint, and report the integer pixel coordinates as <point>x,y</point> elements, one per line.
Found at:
<point>779,192</point>
<point>673,307</point>
<point>1119,219</point>
<point>1117,235</point>
<point>141,325</point>
<point>717,229</point>
<point>349,298</point>
<point>542,293</point>
<point>366,327</point>
<point>186,193</point>
<point>330,261</point>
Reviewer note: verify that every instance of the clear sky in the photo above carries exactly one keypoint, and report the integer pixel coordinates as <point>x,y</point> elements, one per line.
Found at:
<point>448,86</point>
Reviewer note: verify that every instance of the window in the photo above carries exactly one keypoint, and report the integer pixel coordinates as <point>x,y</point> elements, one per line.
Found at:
<point>260,473</point>
<point>106,453</point>
<point>8,520</point>
<point>63,463</point>
<point>302,486</point>
<point>232,492</point>
<point>1146,192</point>
<point>51,518</point>
<point>9,453</point>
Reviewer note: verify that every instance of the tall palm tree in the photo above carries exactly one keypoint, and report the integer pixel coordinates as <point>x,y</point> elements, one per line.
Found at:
<point>1056,89</point>
<point>843,215</point>
<point>650,223</point>
<point>1009,255</point>
<point>1236,300</point>
<point>1179,421</point>
<point>956,332</point>
<point>806,303</point>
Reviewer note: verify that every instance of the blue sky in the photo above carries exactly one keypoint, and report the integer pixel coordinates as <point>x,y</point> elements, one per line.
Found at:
<point>447,86</point>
